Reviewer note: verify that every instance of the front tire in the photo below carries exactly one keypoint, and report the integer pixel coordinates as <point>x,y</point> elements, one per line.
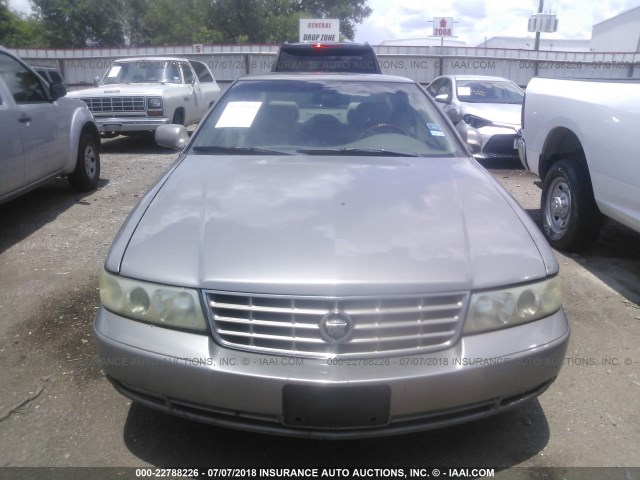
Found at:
<point>86,175</point>
<point>571,219</point>
<point>178,118</point>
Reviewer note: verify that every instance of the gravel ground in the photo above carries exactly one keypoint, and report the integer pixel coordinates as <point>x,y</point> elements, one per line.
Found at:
<point>57,409</point>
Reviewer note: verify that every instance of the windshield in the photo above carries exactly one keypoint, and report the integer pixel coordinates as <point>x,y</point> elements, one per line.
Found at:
<point>489,91</point>
<point>320,117</point>
<point>143,71</point>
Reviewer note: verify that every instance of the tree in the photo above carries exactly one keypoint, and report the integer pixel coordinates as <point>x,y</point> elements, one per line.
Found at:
<point>166,22</point>
<point>16,31</point>
<point>276,21</point>
<point>117,23</point>
<point>82,23</point>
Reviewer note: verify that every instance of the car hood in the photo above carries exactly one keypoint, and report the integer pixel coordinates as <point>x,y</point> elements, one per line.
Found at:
<point>331,226</point>
<point>119,89</point>
<point>505,113</point>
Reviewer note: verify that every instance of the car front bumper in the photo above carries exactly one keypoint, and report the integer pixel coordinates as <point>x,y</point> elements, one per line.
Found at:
<point>522,152</point>
<point>129,124</point>
<point>190,375</point>
<point>496,141</point>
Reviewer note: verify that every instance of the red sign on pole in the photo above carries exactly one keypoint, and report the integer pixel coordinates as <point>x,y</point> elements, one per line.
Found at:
<point>443,26</point>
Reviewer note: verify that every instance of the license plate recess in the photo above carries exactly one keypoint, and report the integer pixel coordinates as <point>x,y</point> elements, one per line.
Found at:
<point>336,407</point>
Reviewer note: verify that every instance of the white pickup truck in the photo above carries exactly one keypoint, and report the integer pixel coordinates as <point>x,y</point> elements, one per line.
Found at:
<point>581,138</point>
<point>140,94</point>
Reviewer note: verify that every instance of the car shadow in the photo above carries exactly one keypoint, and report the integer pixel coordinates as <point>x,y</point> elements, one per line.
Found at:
<point>143,143</point>
<point>140,143</point>
<point>501,163</point>
<point>501,441</point>
<point>26,214</point>
<point>614,258</point>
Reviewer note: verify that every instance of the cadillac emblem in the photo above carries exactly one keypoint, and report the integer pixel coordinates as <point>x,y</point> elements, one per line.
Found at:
<point>336,327</point>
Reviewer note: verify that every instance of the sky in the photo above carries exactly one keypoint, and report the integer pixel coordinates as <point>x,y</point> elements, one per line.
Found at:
<point>476,19</point>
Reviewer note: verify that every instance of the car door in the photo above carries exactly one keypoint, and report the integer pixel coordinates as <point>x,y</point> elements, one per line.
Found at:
<point>195,105</point>
<point>210,89</point>
<point>11,154</point>
<point>44,129</point>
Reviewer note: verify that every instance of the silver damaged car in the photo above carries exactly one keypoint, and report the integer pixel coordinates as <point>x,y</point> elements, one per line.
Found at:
<point>485,110</point>
<point>325,258</point>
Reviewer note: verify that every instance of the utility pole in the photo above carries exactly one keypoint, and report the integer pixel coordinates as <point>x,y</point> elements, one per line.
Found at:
<point>537,44</point>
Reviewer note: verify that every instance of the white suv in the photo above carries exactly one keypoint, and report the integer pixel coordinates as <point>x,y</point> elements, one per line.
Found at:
<point>42,133</point>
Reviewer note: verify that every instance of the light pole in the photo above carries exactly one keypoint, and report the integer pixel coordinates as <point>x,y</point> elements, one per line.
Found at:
<point>537,44</point>
<point>541,23</point>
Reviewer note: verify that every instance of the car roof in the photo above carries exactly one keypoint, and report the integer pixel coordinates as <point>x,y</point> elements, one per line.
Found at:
<point>306,76</point>
<point>150,59</point>
<point>477,77</point>
<point>311,45</point>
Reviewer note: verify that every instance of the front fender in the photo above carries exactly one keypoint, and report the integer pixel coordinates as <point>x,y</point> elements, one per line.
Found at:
<point>81,121</point>
<point>177,98</point>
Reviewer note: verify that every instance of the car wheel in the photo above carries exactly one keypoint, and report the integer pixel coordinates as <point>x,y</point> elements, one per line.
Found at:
<point>571,219</point>
<point>178,118</point>
<point>87,172</point>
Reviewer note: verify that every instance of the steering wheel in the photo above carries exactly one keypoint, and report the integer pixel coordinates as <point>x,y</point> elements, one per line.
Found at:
<point>367,132</point>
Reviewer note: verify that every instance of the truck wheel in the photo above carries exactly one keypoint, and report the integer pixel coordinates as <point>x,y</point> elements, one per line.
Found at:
<point>87,172</point>
<point>570,217</point>
<point>178,118</point>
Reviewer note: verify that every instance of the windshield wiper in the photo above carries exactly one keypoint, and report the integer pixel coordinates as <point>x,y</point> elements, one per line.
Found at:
<point>238,150</point>
<point>373,152</point>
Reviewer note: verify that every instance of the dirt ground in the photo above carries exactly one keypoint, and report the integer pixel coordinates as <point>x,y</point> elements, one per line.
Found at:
<point>57,408</point>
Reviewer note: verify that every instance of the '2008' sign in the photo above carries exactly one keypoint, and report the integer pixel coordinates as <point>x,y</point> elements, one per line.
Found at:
<point>442,32</point>
<point>443,26</point>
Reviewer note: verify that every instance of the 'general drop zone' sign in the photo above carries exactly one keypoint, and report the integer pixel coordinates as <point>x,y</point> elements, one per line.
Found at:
<point>320,30</point>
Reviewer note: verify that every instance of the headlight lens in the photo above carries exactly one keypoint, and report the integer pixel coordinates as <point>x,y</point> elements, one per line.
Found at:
<point>475,122</point>
<point>170,307</point>
<point>154,103</point>
<point>513,306</point>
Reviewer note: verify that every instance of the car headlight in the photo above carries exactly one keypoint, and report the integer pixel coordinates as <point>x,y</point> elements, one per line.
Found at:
<point>513,306</point>
<point>171,307</point>
<point>154,103</point>
<point>476,122</point>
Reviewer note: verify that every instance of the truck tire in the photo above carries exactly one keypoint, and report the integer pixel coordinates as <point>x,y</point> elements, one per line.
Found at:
<point>178,117</point>
<point>571,219</point>
<point>86,175</point>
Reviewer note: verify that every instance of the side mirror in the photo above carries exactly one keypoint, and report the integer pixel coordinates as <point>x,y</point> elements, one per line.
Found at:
<point>442,98</point>
<point>454,114</point>
<point>96,81</point>
<point>174,137</point>
<point>57,90</point>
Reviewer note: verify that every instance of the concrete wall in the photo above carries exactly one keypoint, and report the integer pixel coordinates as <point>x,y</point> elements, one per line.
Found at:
<point>422,64</point>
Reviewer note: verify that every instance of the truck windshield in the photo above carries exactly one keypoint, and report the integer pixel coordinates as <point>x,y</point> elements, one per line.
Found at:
<point>143,71</point>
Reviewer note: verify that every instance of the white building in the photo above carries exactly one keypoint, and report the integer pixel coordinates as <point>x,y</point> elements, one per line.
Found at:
<point>618,34</point>
<point>424,42</point>
<point>527,43</point>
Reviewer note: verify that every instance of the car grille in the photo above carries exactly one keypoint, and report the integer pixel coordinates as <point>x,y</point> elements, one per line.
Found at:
<point>115,104</point>
<point>381,325</point>
<point>501,146</point>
